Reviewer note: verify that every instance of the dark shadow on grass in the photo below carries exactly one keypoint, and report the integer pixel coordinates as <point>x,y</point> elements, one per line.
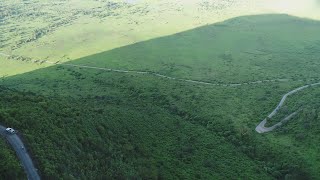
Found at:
<point>247,48</point>
<point>112,125</point>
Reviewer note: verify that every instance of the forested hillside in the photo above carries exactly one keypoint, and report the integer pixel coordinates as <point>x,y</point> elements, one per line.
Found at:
<point>9,166</point>
<point>99,124</point>
<point>156,137</point>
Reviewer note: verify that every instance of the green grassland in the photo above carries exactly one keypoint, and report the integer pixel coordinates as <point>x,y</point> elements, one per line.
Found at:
<point>32,20</point>
<point>67,30</point>
<point>10,67</point>
<point>238,50</point>
<point>64,30</point>
<point>88,123</point>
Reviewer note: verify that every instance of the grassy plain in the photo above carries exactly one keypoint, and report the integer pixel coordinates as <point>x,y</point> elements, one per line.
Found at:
<point>243,49</point>
<point>82,123</point>
<point>67,30</point>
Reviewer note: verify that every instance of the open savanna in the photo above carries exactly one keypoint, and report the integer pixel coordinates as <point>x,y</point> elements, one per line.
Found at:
<point>67,30</point>
<point>90,123</point>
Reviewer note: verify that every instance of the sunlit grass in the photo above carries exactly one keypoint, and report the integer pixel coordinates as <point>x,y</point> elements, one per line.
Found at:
<point>85,34</point>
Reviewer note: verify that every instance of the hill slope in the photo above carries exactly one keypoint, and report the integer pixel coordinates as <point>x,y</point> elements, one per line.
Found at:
<point>82,123</point>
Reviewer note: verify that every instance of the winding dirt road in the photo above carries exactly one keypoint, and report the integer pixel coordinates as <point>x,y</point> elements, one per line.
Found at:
<point>261,127</point>
<point>157,74</point>
<point>168,77</point>
<point>25,158</point>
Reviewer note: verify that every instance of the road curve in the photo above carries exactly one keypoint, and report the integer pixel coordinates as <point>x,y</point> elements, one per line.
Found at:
<point>261,127</point>
<point>22,153</point>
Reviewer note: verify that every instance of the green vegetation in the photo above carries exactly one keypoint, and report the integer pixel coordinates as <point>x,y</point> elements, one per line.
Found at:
<point>128,129</point>
<point>302,132</point>
<point>243,49</point>
<point>64,30</point>
<point>88,123</point>
<point>67,30</point>
<point>9,165</point>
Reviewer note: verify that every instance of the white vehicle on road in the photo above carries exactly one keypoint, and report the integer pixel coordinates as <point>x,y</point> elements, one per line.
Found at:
<point>11,130</point>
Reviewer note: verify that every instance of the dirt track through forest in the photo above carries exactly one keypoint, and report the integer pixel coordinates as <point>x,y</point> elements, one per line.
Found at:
<point>260,128</point>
